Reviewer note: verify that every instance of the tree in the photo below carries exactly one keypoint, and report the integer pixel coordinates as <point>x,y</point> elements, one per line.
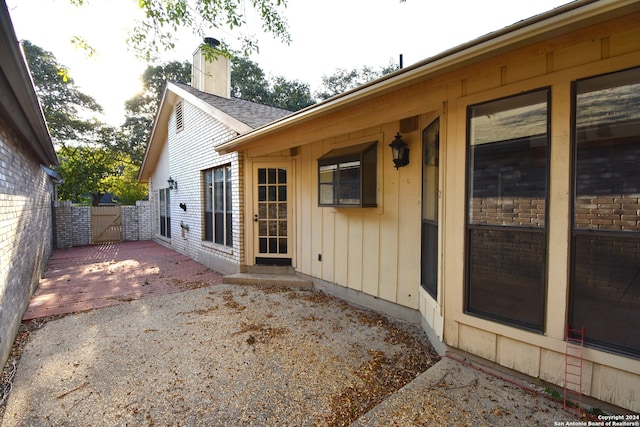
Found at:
<point>90,160</point>
<point>291,95</point>
<point>83,169</point>
<point>156,31</point>
<point>248,82</point>
<point>124,183</point>
<point>141,109</point>
<point>63,104</point>
<point>343,80</point>
<point>90,172</point>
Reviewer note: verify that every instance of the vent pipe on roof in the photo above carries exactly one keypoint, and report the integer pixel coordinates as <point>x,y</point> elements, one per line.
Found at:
<point>401,61</point>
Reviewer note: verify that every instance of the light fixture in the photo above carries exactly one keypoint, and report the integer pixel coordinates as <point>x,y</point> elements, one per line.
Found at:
<point>400,152</point>
<point>173,184</point>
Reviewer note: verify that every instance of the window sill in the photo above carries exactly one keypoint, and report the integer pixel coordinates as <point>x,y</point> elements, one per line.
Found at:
<point>218,248</point>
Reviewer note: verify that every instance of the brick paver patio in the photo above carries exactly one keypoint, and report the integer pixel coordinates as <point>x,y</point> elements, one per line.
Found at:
<point>89,277</point>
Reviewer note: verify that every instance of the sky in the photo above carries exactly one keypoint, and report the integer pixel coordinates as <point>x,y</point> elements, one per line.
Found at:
<point>326,35</point>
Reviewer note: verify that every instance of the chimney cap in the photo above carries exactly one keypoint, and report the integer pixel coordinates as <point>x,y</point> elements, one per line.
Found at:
<point>214,43</point>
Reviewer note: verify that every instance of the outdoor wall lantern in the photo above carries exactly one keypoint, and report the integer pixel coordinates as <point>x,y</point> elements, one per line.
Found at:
<point>400,151</point>
<point>173,184</point>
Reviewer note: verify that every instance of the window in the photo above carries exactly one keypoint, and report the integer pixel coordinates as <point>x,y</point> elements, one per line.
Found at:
<point>605,277</point>
<point>430,199</point>
<point>506,209</point>
<point>347,176</point>
<point>179,117</point>
<point>164,199</point>
<point>218,214</point>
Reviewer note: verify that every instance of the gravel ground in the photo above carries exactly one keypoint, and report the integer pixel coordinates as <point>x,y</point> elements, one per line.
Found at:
<point>218,355</point>
<point>452,394</point>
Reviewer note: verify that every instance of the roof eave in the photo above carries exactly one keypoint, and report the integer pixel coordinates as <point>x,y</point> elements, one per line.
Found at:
<point>154,147</point>
<point>563,19</point>
<point>29,119</point>
<point>159,134</point>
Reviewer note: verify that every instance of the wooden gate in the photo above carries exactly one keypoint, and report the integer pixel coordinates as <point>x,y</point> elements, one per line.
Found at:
<point>106,224</point>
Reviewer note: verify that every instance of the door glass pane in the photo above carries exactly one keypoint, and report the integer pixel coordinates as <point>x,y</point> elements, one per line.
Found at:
<point>262,210</point>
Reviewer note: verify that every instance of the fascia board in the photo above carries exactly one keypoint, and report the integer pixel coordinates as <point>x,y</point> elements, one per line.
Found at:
<point>214,112</point>
<point>158,135</point>
<point>563,19</point>
<point>23,106</point>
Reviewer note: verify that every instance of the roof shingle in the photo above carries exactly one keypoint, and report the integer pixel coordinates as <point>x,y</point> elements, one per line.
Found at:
<point>248,112</point>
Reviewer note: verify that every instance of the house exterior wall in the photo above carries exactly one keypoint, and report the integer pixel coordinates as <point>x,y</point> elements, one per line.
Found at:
<point>376,251</point>
<point>187,154</point>
<point>26,237</point>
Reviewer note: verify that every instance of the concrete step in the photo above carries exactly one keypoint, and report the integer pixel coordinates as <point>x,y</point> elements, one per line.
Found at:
<point>269,269</point>
<point>282,280</point>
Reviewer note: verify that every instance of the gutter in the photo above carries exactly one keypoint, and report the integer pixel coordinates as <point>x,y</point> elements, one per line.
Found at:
<point>558,20</point>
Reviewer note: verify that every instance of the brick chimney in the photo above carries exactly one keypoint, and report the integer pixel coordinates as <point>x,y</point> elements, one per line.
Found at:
<point>211,77</point>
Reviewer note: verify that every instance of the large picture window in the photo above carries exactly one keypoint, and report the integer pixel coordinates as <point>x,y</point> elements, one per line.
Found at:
<point>605,282</point>
<point>506,202</point>
<point>164,198</point>
<point>218,213</point>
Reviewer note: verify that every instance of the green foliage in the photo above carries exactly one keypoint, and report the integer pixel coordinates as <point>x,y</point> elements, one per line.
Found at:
<point>343,80</point>
<point>63,104</point>
<point>163,18</point>
<point>248,82</point>
<point>124,185</point>
<point>94,157</point>
<point>90,172</point>
<point>291,95</point>
<point>141,109</point>
<point>83,169</point>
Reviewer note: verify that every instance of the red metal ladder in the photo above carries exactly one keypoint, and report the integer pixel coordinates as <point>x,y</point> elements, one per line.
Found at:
<point>573,369</point>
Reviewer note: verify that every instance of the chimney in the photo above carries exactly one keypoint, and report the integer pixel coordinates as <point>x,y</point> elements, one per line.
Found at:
<point>211,77</point>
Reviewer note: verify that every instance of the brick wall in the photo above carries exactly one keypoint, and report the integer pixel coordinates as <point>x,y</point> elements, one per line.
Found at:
<point>190,153</point>
<point>73,223</point>
<point>145,225</point>
<point>26,238</point>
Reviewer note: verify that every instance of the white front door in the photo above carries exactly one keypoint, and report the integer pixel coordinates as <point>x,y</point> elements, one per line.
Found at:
<point>271,214</point>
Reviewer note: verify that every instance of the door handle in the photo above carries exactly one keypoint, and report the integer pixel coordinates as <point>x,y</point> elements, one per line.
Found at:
<point>255,218</point>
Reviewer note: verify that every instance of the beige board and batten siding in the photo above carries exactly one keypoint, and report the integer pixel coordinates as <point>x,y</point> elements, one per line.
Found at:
<point>607,47</point>
<point>376,251</point>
